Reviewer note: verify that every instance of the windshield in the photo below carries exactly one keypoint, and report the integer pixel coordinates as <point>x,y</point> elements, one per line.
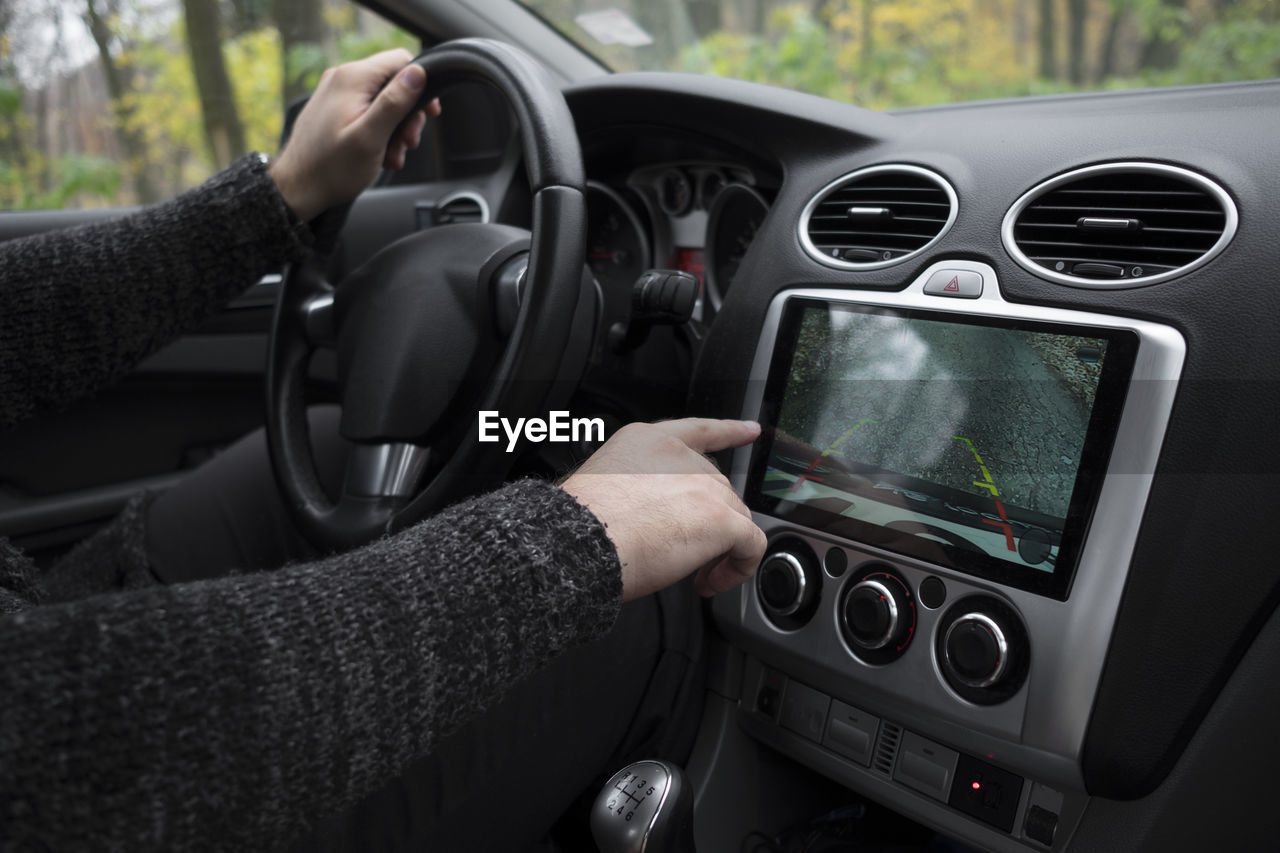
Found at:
<point>885,55</point>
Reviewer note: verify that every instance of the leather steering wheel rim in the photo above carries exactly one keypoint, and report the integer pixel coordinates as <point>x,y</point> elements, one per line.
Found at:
<point>531,359</point>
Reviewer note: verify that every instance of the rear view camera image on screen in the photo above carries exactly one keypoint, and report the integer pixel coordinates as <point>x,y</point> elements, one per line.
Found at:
<point>975,443</point>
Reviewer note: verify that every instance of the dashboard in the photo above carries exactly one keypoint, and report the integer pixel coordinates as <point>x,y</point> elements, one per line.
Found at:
<point>1000,450</point>
<point>1015,367</point>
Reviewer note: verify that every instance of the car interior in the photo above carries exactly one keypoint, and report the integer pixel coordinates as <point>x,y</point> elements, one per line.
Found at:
<point>1015,366</point>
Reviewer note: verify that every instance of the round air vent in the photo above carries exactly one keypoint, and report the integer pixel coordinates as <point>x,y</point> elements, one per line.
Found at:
<point>1119,225</point>
<point>877,216</point>
<point>462,206</point>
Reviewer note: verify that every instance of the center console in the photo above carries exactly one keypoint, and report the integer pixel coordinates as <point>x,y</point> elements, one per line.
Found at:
<point>952,487</point>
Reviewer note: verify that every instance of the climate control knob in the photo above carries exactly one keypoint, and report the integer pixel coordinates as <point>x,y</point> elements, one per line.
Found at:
<point>976,650</point>
<point>871,614</point>
<point>982,649</point>
<point>878,615</point>
<point>782,583</point>
<point>788,583</point>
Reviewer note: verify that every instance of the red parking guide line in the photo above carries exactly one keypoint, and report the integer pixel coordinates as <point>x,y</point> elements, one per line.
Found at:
<point>989,485</point>
<point>1003,524</point>
<point>1000,509</point>
<point>805,476</point>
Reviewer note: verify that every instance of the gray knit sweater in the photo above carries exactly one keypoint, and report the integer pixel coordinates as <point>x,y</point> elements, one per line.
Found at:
<point>231,714</point>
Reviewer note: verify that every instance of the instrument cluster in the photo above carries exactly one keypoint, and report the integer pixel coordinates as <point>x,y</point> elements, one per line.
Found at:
<point>698,217</point>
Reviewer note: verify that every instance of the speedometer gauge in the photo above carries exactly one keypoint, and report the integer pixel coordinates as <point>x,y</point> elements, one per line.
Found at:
<point>736,216</point>
<point>617,246</point>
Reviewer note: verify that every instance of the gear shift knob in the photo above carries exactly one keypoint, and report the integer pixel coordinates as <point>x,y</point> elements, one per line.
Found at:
<point>646,807</point>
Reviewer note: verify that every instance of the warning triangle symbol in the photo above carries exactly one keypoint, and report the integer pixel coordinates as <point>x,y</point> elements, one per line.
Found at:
<point>953,286</point>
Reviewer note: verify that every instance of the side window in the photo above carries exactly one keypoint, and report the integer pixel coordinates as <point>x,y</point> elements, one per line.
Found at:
<point>118,102</point>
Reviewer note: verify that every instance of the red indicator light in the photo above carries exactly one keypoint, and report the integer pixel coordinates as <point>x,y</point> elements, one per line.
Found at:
<point>977,786</point>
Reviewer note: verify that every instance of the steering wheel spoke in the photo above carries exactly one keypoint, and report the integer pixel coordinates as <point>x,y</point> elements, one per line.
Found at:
<point>386,470</point>
<point>318,320</point>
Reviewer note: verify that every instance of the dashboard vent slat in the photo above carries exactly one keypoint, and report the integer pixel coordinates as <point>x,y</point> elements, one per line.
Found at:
<point>919,206</point>
<point>887,747</point>
<point>860,234</point>
<point>1178,221</point>
<point>1102,250</point>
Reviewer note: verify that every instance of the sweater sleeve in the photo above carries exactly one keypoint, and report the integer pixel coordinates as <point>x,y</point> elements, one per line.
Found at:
<point>80,307</point>
<point>244,709</point>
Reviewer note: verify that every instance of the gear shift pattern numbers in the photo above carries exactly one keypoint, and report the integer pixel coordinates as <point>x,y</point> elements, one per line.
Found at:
<point>630,792</point>
<point>646,807</point>
<point>635,794</point>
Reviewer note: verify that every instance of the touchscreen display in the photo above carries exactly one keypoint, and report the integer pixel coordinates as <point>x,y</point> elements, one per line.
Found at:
<point>974,443</point>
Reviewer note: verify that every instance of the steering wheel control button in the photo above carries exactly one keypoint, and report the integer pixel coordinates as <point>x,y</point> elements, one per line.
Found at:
<point>976,649</point>
<point>958,284</point>
<point>851,732</point>
<point>925,766</point>
<point>788,582</point>
<point>986,792</point>
<point>877,615</point>
<point>804,711</point>
<point>982,649</point>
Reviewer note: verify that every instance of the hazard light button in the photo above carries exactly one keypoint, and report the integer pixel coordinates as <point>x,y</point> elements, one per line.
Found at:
<point>962,284</point>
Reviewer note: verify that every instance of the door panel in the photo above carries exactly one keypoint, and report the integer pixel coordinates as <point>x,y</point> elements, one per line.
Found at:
<point>65,473</point>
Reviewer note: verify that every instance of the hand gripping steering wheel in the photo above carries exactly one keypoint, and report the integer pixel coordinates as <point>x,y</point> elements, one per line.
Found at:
<point>438,326</point>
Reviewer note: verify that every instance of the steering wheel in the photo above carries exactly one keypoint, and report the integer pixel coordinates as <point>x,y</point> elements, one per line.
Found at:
<point>438,326</point>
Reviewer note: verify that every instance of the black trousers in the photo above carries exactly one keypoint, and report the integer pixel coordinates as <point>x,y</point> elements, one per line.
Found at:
<point>503,780</point>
